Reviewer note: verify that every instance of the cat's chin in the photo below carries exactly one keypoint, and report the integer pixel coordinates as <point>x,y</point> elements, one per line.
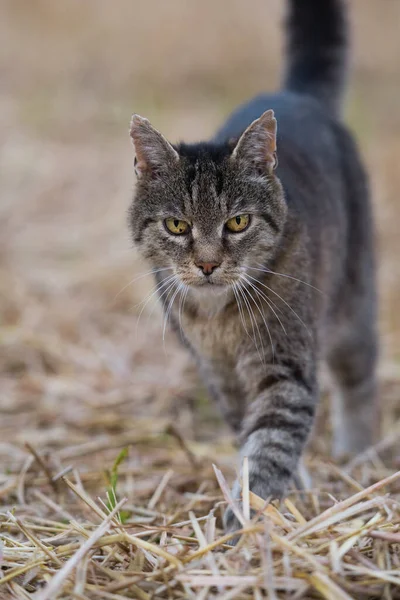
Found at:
<point>210,298</point>
<point>209,288</point>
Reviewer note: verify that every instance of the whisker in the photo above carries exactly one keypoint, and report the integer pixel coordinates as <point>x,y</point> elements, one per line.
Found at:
<point>240,293</point>
<point>259,308</point>
<point>158,288</point>
<point>167,292</point>
<point>239,305</point>
<point>168,312</point>
<point>181,307</point>
<point>261,294</point>
<point>252,320</point>
<point>154,291</point>
<point>265,270</point>
<point>284,301</point>
<point>264,321</point>
<point>140,276</point>
<point>165,303</point>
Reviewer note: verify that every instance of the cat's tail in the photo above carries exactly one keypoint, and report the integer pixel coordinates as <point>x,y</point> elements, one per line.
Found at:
<point>317,50</point>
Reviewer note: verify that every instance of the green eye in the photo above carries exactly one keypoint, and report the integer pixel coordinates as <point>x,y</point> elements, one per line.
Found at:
<point>238,223</point>
<point>176,226</point>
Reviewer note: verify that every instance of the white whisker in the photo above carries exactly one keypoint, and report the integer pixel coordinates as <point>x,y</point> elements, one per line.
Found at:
<point>181,307</point>
<point>252,321</point>
<point>158,288</point>
<point>265,270</point>
<point>154,291</point>
<point>239,305</point>
<point>263,318</point>
<point>168,311</point>
<point>284,301</point>
<point>261,294</point>
<point>170,290</point>
<point>140,276</point>
<point>264,321</point>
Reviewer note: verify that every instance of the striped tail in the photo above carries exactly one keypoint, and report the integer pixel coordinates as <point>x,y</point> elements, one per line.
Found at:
<point>317,51</point>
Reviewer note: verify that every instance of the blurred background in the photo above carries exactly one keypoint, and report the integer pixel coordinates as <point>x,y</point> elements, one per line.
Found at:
<point>73,358</point>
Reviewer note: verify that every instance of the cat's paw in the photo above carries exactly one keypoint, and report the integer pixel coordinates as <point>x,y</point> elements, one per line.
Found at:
<point>302,479</point>
<point>268,490</point>
<point>231,524</point>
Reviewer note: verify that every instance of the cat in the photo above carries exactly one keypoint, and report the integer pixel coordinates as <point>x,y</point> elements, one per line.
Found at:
<point>261,241</point>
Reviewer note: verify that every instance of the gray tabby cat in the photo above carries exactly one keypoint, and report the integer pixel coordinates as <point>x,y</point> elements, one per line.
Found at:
<point>266,269</point>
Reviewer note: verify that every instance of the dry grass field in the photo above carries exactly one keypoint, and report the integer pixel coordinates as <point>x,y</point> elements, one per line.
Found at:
<point>86,384</point>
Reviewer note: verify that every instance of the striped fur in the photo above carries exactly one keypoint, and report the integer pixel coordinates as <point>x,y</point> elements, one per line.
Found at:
<point>298,285</point>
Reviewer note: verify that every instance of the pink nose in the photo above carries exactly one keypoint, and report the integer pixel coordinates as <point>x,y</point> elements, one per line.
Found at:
<point>207,267</point>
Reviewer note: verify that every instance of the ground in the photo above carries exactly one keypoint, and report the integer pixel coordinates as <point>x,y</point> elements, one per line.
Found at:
<point>85,373</point>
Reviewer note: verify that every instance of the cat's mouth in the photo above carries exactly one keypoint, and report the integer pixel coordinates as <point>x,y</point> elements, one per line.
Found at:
<point>210,285</point>
<point>214,281</point>
<point>207,284</point>
<point>210,282</point>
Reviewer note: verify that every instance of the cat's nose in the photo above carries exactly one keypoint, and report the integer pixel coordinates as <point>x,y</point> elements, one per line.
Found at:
<point>207,267</point>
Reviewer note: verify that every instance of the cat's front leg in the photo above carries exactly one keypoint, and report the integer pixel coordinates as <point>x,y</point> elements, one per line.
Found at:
<point>275,430</point>
<point>223,385</point>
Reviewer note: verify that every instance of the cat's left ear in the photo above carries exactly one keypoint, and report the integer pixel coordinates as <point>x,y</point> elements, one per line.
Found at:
<point>153,152</point>
<point>257,145</point>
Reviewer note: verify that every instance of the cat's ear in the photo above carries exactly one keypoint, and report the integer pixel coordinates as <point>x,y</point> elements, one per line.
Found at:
<point>257,145</point>
<point>153,152</point>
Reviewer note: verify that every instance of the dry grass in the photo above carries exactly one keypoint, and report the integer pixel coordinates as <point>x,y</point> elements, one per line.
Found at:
<point>171,545</point>
<point>83,377</point>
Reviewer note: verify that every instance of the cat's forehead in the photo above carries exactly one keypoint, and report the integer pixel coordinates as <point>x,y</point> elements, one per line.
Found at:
<point>204,152</point>
<point>205,173</point>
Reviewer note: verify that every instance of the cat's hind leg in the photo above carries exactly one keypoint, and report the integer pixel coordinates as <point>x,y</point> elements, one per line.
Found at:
<point>352,361</point>
<point>352,339</point>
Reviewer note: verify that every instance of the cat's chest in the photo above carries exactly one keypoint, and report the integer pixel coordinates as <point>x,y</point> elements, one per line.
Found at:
<point>215,336</point>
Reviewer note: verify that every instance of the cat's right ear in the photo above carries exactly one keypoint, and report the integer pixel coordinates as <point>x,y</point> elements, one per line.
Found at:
<point>153,152</point>
<point>257,145</point>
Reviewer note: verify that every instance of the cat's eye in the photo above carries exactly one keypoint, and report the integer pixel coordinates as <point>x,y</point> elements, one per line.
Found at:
<point>176,226</point>
<point>238,223</point>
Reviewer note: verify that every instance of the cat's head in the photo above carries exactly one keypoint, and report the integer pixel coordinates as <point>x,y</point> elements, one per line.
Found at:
<point>207,211</point>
